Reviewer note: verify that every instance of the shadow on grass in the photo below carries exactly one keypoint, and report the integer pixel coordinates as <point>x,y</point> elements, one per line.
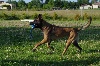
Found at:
<point>15,35</point>
<point>93,51</point>
<point>91,33</point>
<point>85,62</point>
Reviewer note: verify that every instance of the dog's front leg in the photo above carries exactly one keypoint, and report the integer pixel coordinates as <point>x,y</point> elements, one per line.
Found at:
<point>40,43</point>
<point>48,45</point>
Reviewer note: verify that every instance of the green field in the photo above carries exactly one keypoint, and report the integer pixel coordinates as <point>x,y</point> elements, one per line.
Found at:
<point>16,46</point>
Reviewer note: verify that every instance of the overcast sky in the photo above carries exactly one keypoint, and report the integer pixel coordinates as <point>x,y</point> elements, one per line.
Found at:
<point>30,0</point>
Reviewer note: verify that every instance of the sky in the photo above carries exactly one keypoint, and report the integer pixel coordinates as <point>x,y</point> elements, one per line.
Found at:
<point>30,0</point>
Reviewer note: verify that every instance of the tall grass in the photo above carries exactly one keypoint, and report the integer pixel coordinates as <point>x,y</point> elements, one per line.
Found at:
<point>60,14</point>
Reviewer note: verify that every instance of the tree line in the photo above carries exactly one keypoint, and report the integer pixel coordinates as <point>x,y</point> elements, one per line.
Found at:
<point>48,4</point>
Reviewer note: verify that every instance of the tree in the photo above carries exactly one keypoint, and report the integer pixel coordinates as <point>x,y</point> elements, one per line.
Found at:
<point>9,1</point>
<point>93,1</point>
<point>35,4</point>
<point>85,1</point>
<point>81,2</point>
<point>41,1</point>
<point>66,4</point>
<point>15,4</point>
<point>73,5</point>
<point>46,1</point>
<point>57,3</point>
<point>49,5</point>
<point>30,5</point>
<point>22,5</point>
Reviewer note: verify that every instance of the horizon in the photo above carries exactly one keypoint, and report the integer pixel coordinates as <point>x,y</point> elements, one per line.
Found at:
<point>44,0</point>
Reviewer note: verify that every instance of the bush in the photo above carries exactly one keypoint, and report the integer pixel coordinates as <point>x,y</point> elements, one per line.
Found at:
<point>95,17</point>
<point>85,16</point>
<point>34,16</point>
<point>24,16</point>
<point>3,16</point>
<point>13,16</point>
<point>55,16</point>
<point>47,16</point>
<point>77,17</point>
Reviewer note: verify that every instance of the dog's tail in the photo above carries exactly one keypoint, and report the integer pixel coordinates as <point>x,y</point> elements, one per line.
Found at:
<point>87,25</point>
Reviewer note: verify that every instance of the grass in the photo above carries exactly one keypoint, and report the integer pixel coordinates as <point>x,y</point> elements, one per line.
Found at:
<point>16,46</point>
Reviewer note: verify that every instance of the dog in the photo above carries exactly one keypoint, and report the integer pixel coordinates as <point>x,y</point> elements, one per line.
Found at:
<point>52,32</point>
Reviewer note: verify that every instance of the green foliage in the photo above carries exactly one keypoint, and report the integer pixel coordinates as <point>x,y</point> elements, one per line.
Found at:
<point>34,4</point>
<point>55,16</point>
<point>22,5</point>
<point>80,2</point>
<point>46,6</point>
<point>37,4</point>
<point>77,17</point>
<point>34,16</point>
<point>24,16</point>
<point>13,16</point>
<point>85,16</point>
<point>94,17</point>
<point>47,16</point>
<point>3,16</point>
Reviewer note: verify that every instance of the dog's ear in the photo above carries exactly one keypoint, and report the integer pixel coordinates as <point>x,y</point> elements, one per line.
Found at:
<point>40,16</point>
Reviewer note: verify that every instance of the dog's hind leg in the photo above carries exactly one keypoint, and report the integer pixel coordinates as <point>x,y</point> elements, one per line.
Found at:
<point>67,45</point>
<point>69,41</point>
<point>75,43</point>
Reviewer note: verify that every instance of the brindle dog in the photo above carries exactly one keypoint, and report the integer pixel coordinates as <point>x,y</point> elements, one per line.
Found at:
<point>52,32</point>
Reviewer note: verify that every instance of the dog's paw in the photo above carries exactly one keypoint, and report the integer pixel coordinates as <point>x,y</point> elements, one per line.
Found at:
<point>50,52</point>
<point>33,50</point>
<point>79,51</point>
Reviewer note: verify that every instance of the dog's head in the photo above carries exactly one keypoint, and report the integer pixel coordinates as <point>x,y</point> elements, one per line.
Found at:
<point>37,22</point>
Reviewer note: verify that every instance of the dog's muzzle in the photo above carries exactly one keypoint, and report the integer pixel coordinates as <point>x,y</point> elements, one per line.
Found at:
<point>34,25</point>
